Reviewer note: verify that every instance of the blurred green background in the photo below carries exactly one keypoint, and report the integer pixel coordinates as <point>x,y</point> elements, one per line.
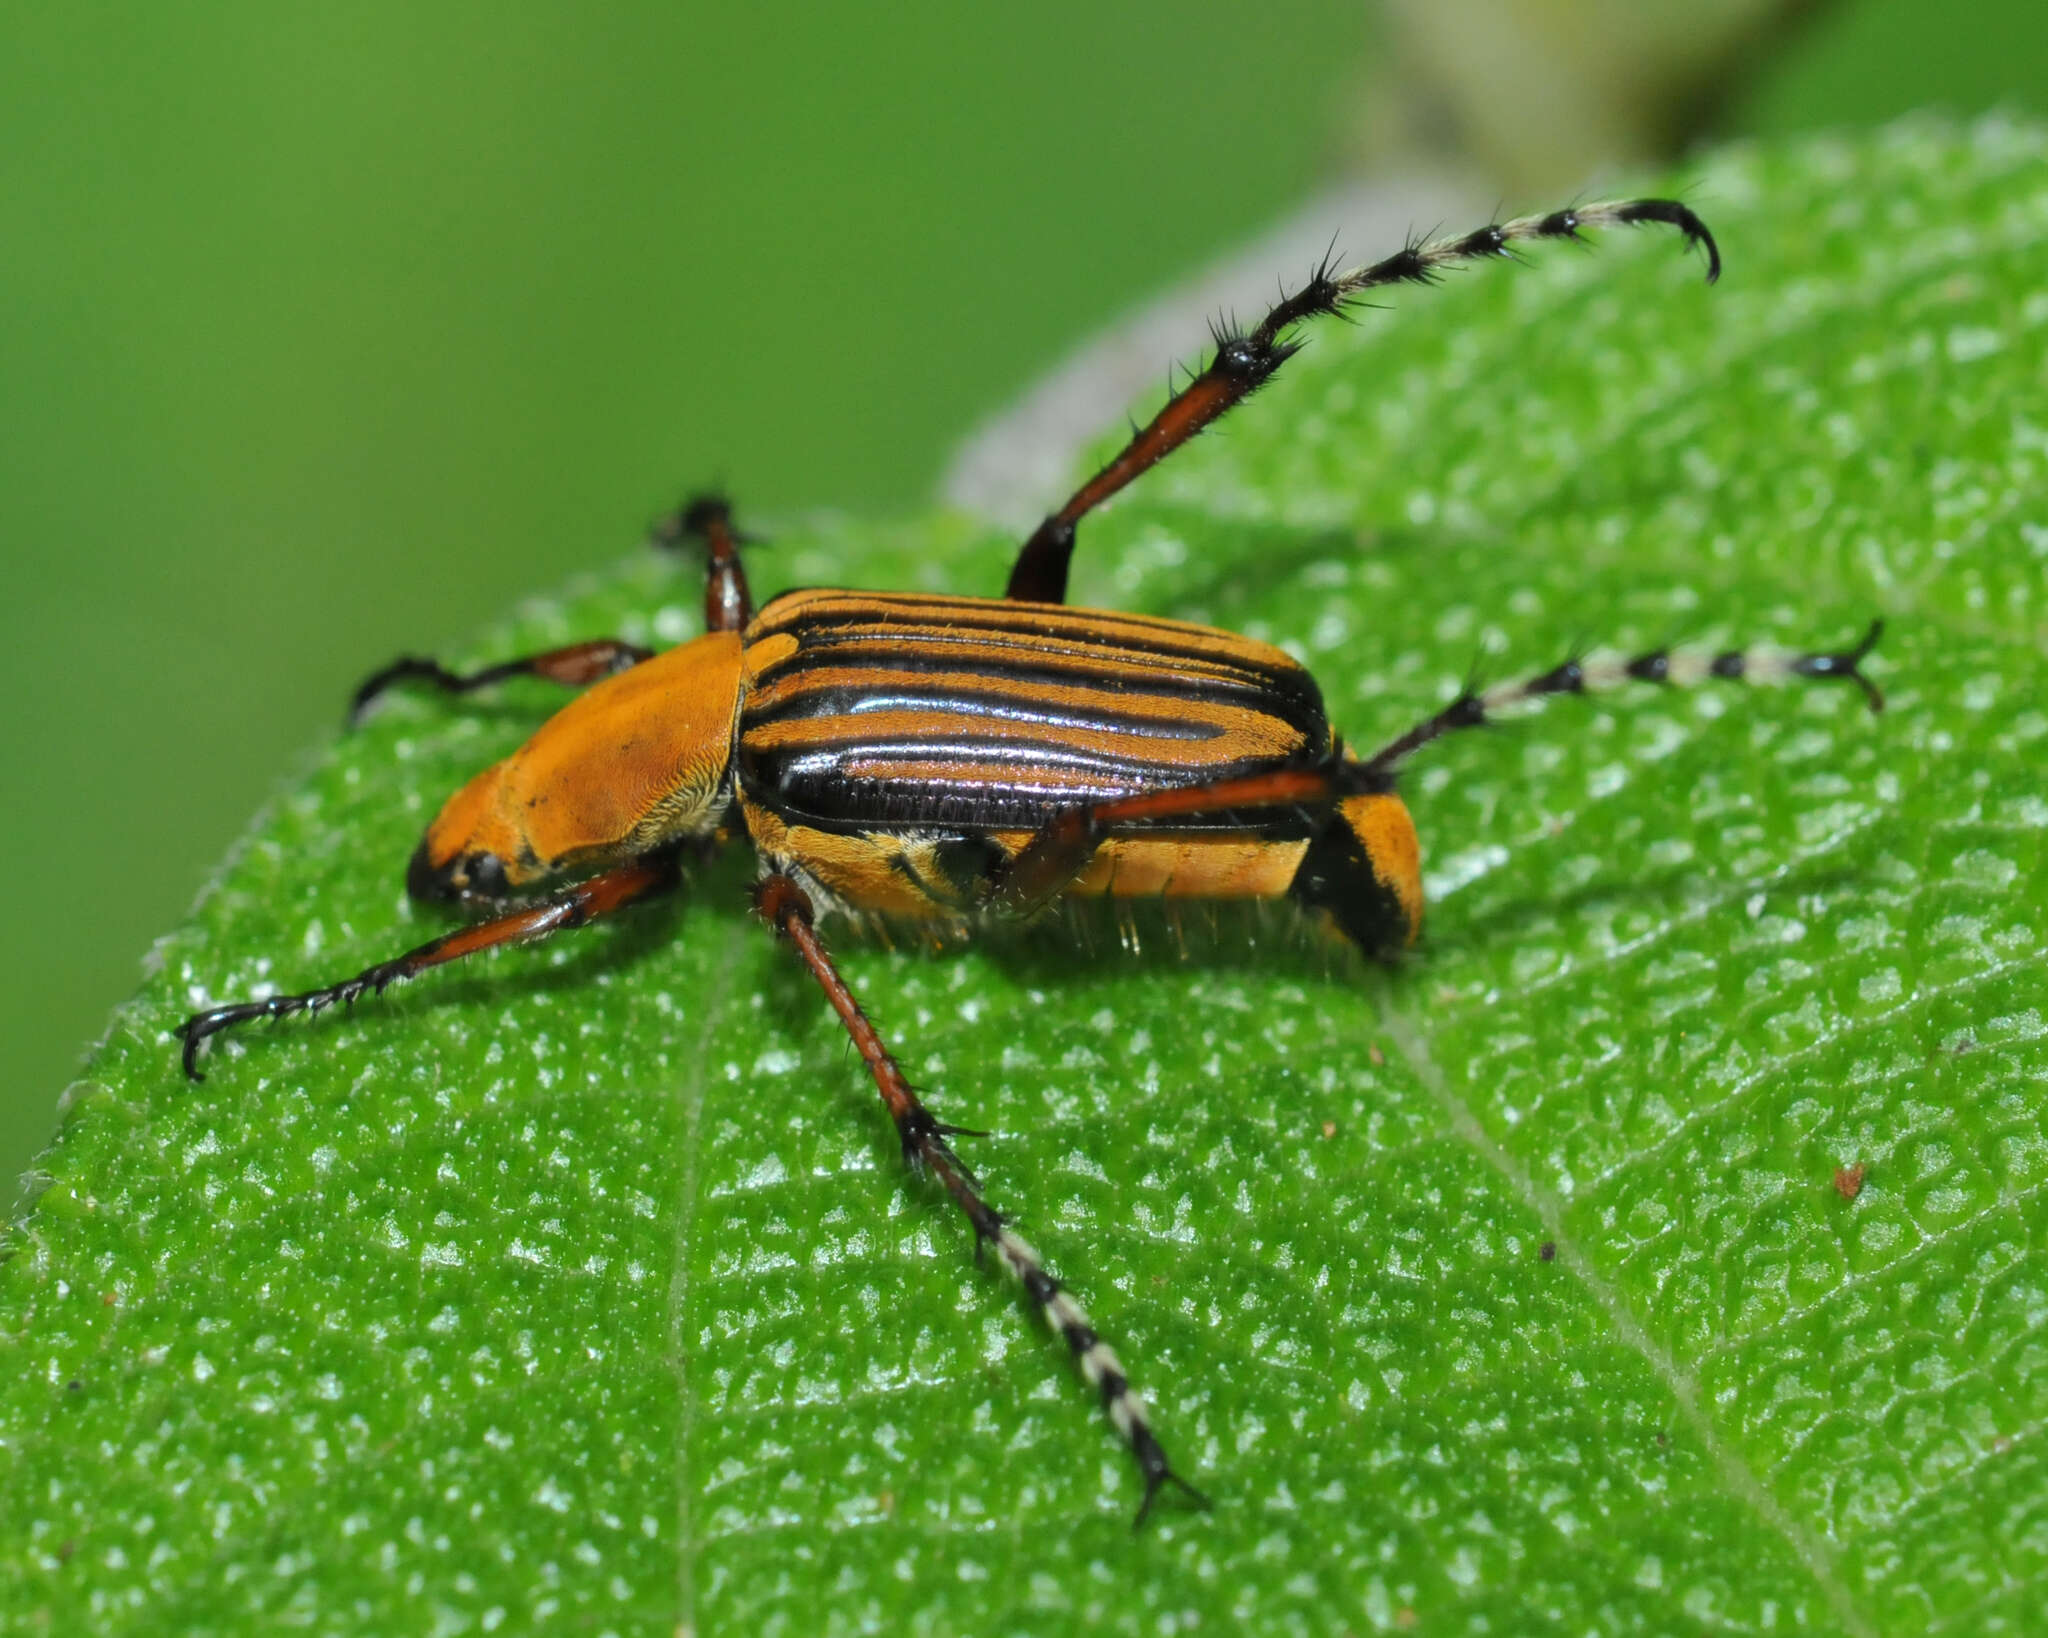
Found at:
<point>325,333</point>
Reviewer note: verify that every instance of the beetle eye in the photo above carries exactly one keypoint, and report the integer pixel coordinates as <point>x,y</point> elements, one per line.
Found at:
<point>486,873</point>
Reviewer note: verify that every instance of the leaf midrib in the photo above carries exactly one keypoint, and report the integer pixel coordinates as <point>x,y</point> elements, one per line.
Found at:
<point>693,1094</point>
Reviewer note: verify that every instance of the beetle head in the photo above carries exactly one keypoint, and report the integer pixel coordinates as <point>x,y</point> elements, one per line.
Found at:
<point>639,760</point>
<point>470,852</point>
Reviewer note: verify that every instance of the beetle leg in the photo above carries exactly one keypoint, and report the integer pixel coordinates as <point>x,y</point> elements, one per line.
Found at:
<point>576,666</point>
<point>1332,879</point>
<point>728,605</point>
<point>1061,847</point>
<point>1245,361</point>
<point>1478,707</point>
<point>784,905</point>
<point>573,907</point>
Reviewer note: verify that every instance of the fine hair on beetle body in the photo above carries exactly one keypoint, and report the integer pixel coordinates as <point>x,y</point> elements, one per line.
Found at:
<point>925,765</point>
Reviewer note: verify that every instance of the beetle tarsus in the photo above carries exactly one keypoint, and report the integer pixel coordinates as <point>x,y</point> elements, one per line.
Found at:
<point>572,907</point>
<point>1245,360</point>
<point>1847,663</point>
<point>576,666</point>
<point>406,668</point>
<point>1159,1473</point>
<point>785,906</point>
<point>1477,707</point>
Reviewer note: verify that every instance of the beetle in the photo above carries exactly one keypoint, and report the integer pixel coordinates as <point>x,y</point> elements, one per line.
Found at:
<point>951,759</point>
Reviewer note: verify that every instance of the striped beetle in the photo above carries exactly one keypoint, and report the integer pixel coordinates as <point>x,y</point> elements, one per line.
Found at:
<point>955,758</point>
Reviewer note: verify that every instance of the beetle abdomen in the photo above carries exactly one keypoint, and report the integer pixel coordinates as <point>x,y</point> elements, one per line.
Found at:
<point>874,711</point>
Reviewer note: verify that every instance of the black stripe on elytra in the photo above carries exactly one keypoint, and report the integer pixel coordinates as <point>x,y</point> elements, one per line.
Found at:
<point>1034,661</point>
<point>854,706</point>
<point>985,619</point>
<point>912,608</point>
<point>892,793</point>
<point>1160,712</point>
<point>949,651</point>
<point>1020,755</point>
<point>1156,704</point>
<point>825,796</point>
<point>1290,689</point>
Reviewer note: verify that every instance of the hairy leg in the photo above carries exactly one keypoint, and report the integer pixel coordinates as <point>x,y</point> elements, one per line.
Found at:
<point>1245,361</point>
<point>783,904</point>
<point>573,907</point>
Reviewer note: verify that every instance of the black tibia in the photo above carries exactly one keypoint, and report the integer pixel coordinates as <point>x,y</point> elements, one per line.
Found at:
<point>1477,707</point>
<point>1245,361</point>
<point>781,902</point>
<point>573,907</point>
<point>576,666</point>
<point>728,605</point>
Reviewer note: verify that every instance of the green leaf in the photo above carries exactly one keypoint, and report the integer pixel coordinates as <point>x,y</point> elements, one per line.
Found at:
<point>582,1286</point>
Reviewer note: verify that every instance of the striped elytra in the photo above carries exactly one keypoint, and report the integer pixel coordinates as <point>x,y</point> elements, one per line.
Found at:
<point>891,711</point>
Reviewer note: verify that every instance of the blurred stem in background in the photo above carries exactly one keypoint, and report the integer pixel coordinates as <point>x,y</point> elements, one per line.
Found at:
<point>1540,95</point>
<point>330,333</point>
